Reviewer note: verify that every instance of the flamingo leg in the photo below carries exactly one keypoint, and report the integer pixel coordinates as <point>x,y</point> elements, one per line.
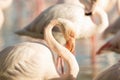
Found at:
<point>93,50</point>
<point>93,55</point>
<point>60,65</point>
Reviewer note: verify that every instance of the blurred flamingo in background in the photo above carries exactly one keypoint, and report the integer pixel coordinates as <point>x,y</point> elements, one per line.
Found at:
<point>3,5</point>
<point>89,5</point>
<point>114,26</point>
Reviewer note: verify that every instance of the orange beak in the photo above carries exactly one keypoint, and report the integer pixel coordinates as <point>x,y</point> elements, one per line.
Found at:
<point>70,45</point>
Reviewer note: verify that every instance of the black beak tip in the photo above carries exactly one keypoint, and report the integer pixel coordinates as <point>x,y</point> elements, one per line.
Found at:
<point>88,14</point>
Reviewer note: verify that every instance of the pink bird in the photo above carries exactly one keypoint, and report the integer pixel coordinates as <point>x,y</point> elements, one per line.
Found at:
<point>83,25</point>
<point>64,10</point>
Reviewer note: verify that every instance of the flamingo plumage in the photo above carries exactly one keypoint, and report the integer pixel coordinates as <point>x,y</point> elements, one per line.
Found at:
<point>36,28</point>
<point>35,61</point>
<point>84,25</point>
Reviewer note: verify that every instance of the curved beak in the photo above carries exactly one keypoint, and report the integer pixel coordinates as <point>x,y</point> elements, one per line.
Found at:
<point>70,45</point>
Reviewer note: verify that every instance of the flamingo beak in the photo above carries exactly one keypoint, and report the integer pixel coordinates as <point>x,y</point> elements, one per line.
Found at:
<point>104,47</point>
<point>70,45</point>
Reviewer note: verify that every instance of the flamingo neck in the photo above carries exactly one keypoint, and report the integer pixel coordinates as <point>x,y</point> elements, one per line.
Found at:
<point>103,19</point>
<point>73,67</point>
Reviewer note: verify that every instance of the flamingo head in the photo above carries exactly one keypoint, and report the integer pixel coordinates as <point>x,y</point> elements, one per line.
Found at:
<point>105,47</point>
<point>70,44</point>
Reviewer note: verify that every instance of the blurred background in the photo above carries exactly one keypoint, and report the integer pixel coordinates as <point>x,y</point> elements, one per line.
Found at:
<point>21,12</point>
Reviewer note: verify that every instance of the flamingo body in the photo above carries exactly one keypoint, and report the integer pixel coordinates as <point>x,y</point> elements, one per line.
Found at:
<point>34,61</point>
<point>28,61</point>
<point>83,25</point>
<point>67,11</point>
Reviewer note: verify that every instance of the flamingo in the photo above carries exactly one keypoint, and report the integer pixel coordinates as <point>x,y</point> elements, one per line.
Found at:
<point>35,61</point>
<point>84,25</point>
<point>36,28</point>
